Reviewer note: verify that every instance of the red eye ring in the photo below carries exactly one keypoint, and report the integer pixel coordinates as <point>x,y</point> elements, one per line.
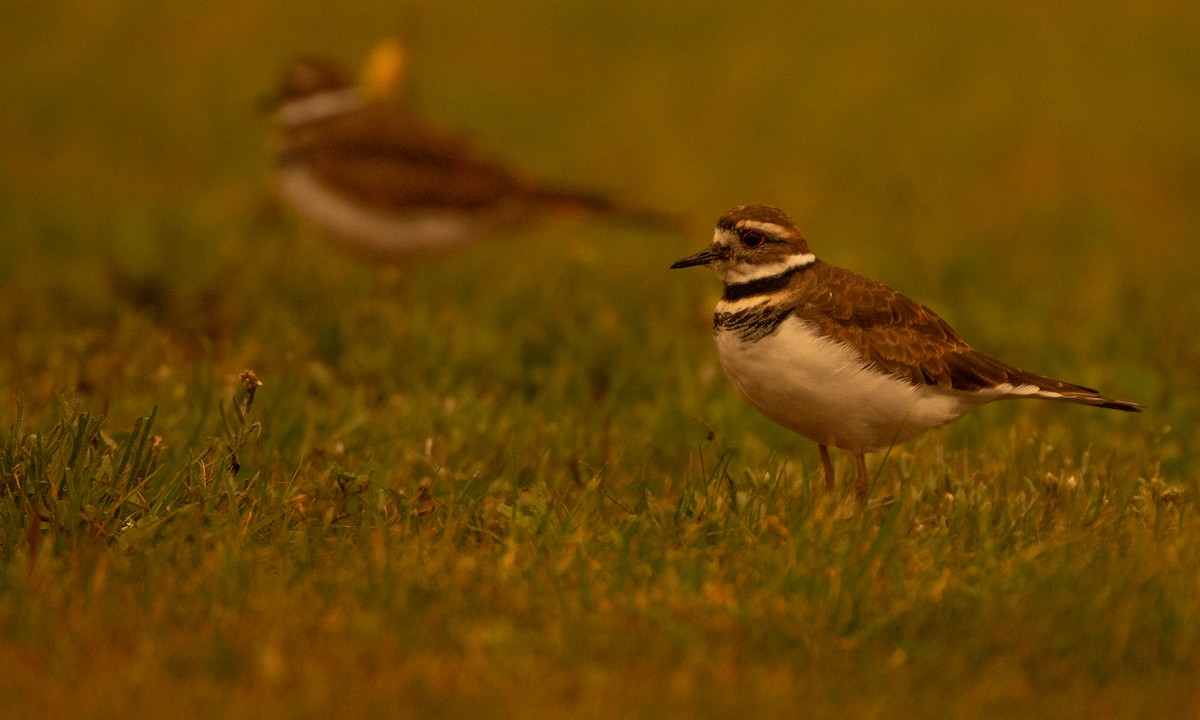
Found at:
<point>753,238</point>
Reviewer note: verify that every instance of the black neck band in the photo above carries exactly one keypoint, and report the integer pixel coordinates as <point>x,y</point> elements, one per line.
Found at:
<point>763,286</point>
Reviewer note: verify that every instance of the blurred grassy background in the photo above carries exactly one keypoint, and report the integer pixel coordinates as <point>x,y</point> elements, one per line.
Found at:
<point>1030,171</point>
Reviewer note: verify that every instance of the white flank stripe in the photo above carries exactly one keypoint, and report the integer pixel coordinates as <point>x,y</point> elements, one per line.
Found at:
<point>320,106</point>
<point>745,272</point>
<point>1008,390</point>
<point>368,230</point>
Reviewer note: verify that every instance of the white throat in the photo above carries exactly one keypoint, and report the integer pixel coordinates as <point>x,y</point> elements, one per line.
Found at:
<point>733,273</point>
<point>320,106</point>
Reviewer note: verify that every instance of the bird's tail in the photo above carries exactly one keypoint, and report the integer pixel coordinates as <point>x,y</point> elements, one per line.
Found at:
<point>998,380</point>
<point>1041,386</point>
<point>570,200</point>
<point>1095,399</point>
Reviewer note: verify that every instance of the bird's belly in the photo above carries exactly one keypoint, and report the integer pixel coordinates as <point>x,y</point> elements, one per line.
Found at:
<point>823,390</point>
<point>367,229</point>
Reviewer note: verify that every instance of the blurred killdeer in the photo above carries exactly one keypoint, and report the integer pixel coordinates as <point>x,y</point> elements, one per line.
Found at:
<point>841,359</point>
<point>376,175</point>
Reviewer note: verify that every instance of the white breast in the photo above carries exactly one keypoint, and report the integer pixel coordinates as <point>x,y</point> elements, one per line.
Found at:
<point>369,230</point>
<point>822,389</point>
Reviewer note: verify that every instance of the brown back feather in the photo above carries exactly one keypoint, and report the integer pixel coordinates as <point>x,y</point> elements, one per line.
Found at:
<point>389,159</point>
<point>901,336</point>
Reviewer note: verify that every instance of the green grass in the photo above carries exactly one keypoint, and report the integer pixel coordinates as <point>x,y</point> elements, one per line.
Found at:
<point>513,481</point>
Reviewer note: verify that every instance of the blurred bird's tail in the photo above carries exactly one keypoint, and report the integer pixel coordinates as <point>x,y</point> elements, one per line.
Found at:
<point>569,200</point>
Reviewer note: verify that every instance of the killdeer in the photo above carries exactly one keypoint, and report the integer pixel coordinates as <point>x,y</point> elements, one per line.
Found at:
<point>376,175</point>
<point>841,359</point>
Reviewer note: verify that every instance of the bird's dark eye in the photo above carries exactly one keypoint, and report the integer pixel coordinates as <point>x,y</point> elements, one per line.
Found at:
<point>753,238</point>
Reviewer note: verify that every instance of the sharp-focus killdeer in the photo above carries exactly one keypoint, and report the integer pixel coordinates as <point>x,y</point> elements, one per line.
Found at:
<point>386,182</point>
<point>841,359</point>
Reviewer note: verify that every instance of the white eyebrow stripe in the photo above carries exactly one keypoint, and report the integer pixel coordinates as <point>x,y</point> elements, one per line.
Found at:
<point>768,227</point>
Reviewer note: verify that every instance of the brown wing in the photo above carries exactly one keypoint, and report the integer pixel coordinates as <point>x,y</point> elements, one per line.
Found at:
<point>902,336</point>
<point>388,158</point>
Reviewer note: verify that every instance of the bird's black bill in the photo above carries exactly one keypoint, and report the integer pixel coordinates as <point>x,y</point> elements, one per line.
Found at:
<point>704,257</point>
